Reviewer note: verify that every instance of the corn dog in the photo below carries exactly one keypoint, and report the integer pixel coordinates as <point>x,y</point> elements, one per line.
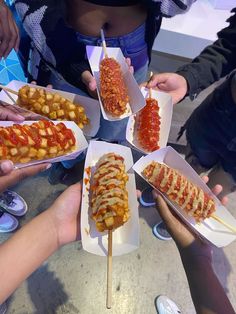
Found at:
<point>147,125</point>
<point>51,105</point>
<point>192,199</point>
<point>40,140</point>
<point>112,87</point>
<point>109,195</point>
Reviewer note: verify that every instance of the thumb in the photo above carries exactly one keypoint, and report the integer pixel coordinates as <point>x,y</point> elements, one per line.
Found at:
<point>157,79</point>
<point>163,209</point>
<point>89,80</point>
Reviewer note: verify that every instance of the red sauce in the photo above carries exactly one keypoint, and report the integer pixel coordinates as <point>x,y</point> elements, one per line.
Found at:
<point>148,126</point>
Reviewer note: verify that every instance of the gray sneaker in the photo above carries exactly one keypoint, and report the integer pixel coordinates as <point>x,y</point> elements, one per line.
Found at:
<point>159,231</point>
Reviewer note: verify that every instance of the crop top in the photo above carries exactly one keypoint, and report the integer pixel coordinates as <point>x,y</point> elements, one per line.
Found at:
<point>114,3</point>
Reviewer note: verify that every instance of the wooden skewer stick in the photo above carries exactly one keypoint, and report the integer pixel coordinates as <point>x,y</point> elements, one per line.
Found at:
<point>109,270</point>
<point>104,46</point>
<point>233,229</point>
<point>9,90</point>
<point>150,89</point>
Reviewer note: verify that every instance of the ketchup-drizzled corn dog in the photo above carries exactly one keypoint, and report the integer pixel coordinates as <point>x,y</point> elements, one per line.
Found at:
<point>109,195</point>
<point>51,105</point>
<point>147,126</point>
<point>179,189</point>
<point>112,87</point>
<point>40,140</point>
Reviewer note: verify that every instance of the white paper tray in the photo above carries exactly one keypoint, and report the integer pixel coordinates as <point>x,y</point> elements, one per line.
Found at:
<point>210,229</point>
<point>95,55</point>
<point>126,237</point>
<point>91,106</point>
<point>165,112</point>
<point>81,143</point>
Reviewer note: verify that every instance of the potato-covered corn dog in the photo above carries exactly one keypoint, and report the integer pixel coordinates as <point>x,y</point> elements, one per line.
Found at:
<point>109,195</point>
<point>112,87</point>
<point>40,140</point>
<point>147,126</point>
<point>51,105</point>
<point>192,199</point>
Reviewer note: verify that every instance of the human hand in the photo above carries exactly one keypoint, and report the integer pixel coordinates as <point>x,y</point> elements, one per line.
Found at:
<point>89,81</point>
<point>10,113</point>
<point>6,166</point>
<point>65,214</point>
<point>11,177</point>
<point>187,242</point>
<point>9,33</point>
<point>171,83</point>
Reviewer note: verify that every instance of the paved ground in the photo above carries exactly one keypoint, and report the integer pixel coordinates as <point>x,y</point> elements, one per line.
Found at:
<point>73,281</point>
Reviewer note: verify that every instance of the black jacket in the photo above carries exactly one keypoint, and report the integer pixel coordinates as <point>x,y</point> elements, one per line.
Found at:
<point>214,62</point>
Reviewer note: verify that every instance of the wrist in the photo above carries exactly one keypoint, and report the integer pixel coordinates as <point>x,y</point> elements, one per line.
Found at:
<point>53,227</point>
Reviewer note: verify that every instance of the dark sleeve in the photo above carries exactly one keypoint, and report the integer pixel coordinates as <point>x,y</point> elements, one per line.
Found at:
<point>214,62</point>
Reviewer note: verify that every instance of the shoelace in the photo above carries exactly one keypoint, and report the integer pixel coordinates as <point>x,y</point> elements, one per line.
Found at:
<point>7,198</point>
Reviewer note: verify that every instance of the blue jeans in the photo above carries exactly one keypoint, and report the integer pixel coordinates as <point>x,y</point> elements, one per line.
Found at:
<point>133,46</point>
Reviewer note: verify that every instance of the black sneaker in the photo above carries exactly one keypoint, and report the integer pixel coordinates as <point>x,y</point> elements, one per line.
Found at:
<point>159,231</point>
<point>146,199</point>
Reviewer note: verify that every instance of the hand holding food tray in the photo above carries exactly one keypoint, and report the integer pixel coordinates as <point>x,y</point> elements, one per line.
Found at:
<point>34,142</point>
<point>210,229</point>
<point>126,237</point>
<point>96,55</point>
<point>165,105</point>
<point>55,105</point>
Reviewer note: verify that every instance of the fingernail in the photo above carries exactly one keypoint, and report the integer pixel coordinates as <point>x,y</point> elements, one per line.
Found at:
<point>48,166</point>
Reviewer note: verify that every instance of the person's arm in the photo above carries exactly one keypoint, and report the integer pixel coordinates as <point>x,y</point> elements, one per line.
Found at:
<point>214,62</point>
<point>170,8</point>
<point>9,33</point>
<point>207,293</point>
<point>25,251</point>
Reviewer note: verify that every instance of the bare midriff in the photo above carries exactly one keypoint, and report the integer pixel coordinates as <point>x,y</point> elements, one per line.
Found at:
<point>88,19</point>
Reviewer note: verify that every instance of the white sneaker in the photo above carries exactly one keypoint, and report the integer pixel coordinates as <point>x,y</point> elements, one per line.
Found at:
<point>13,203</point>
<point>164,305</point>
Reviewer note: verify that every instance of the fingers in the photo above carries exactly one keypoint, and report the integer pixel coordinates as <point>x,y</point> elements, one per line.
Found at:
<point>6,166</point>
<point>89,80</point>
<point>18,175</point>
<point>157,79</point>
<point>163,209</point>
<point>7,114</point>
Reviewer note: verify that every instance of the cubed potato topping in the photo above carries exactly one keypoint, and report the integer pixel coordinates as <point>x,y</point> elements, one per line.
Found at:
<point>71,107</point>
<point>60,113</point>
<point>13,151</point>
<point>32,152</point>
<point>49,96</point>
<point>45,109</point>
<point>53,115</point>
<point>42,132</point>
<point>37,106</point>
<point>55,106</point>
<point>72,115</point>
<point>53,150</point>
<point>49,131</point>
<point>41,153</point>
<point>44,142</point>
<point>23,150</point>
<point>109,221</point>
